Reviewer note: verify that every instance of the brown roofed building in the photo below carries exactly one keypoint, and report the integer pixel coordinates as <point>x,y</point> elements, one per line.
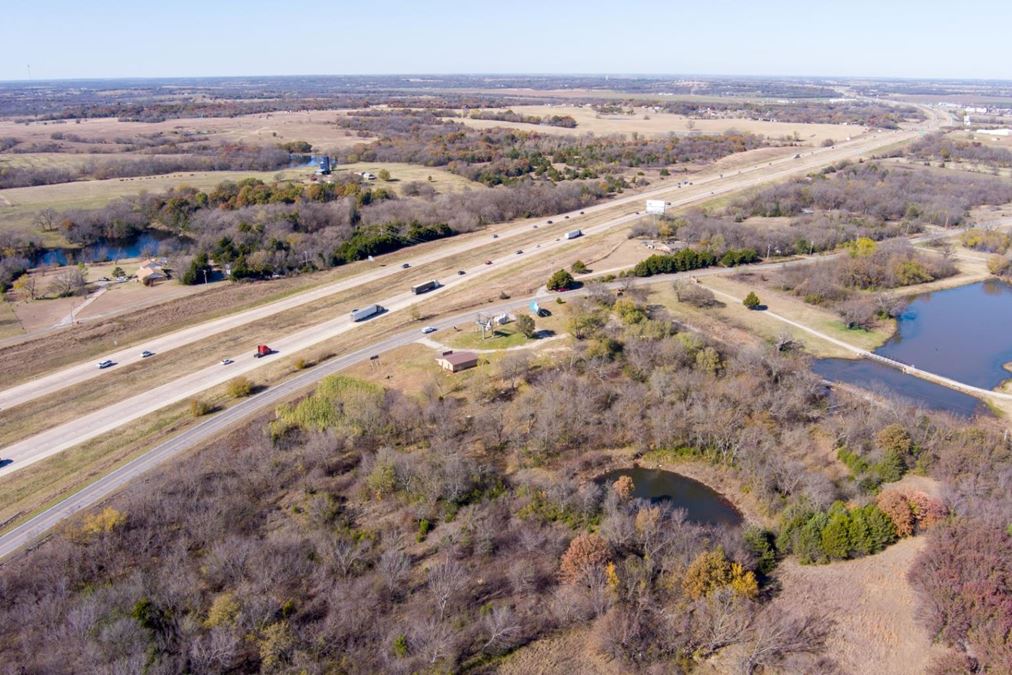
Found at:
<point>150,272</point>
<point>457,361</point>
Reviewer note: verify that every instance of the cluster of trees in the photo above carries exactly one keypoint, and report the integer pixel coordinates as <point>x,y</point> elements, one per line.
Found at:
<point>687,259</point>
<point>838,533</point>
<point>496,156</point>
<point>963,575</point>
<point>841,282</point>
<point>565,121</point>
<point>985,239</point>
<point>941,148</point>
<point>262,229</point>
<point>914,195</point>
<point>805,112</point>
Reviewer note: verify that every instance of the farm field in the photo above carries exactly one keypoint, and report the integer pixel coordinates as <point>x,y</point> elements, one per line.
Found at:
<point>661,123</point>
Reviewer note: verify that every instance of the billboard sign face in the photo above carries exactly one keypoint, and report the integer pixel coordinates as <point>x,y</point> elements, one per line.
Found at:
<point>655,207</point>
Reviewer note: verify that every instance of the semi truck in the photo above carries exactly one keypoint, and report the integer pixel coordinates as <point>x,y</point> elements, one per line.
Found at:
<point>262,351</point>
<point>573,234</point>
<point>366,312</point>
<point>425,288</point>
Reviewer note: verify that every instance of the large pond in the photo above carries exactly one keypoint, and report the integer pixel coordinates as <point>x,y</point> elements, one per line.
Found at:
<point>964,333</point>
<point>702,505</point>
<point>882,379</point>
<point>146,244</point>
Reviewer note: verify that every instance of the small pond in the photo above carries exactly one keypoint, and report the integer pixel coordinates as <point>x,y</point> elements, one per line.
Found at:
<point>702,505</point>
<point>880,378</point>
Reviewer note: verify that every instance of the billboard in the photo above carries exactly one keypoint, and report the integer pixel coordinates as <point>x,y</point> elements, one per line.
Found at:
<point>655,207</point>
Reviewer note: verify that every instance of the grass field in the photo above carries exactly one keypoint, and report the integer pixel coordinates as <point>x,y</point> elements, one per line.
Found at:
<point>649,123</point>
<point>316,127</point>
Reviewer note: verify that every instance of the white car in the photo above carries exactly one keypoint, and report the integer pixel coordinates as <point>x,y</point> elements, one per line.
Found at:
<point>105,364</point>
<point>428,329</point>
<point>226,362</point>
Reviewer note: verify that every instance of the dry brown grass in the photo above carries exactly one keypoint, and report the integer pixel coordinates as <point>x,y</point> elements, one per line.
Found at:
<point>660,124</point>
<point>872,604</point>
<point>316,127</point>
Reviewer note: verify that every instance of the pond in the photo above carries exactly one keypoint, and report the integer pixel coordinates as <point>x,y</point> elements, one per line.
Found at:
<point>702,505</point>
<point>963,333</point>
<point>146,244</point>
<point>882,379</point>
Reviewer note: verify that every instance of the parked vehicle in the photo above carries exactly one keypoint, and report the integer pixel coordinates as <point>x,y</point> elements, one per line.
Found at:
<point>366,312</point>
<point>107,363</point>
<point>262,351</point>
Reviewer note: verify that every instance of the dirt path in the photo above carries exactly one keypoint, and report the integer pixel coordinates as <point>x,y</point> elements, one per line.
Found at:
<point>439,346</point>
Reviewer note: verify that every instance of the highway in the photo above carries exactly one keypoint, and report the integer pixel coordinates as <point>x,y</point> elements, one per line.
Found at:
<point>91,425</point>
<point>703,188</point>
<point>218,423</point>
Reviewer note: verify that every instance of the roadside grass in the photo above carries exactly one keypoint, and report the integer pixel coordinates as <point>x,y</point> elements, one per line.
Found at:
<point>9,324</point>
<point>501,337</point>
<point>35,488</point>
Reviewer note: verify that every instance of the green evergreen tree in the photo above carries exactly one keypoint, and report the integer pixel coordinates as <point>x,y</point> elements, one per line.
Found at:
<point>861,542</point>
<point>751,300</point>
<point>883,532</point>
<point>760,541</point>
<point>836,534</point>
<point>891,467</point>
<point>807,544</point>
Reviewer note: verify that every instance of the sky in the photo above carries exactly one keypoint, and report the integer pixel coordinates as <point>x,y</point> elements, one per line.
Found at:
<point>58,39</point>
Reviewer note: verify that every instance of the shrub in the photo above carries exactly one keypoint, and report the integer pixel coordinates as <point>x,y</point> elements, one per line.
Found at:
<point>751,300</point>
<point>911,512</point>
<point>106,520</point>
<point>561,281</point>
<point>695,295</point>
<point>526,325</point>
<point>712,571</point>
<point>199,408</point>
<point>223,611</point>
<point>579,267</point>
<point>623,488</point>
<point>586,556</point>
<point>240,387</point>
